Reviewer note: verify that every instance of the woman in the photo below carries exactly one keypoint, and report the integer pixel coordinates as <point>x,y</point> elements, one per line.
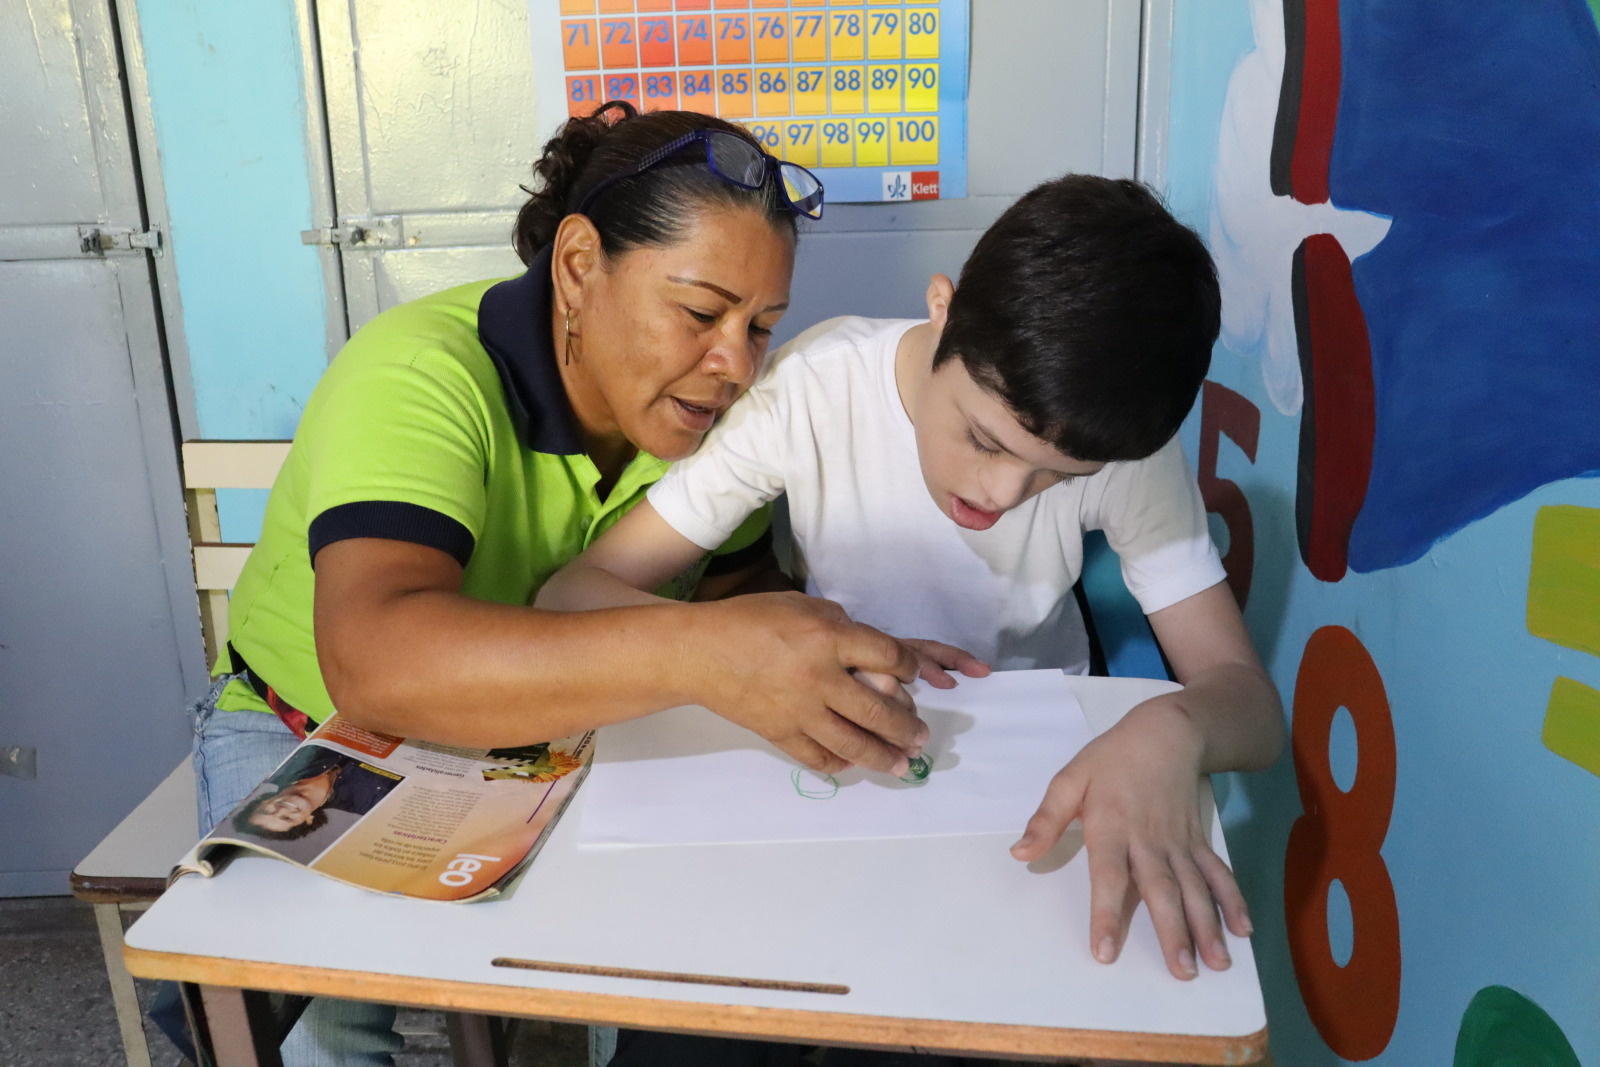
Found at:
<point>462,447</point>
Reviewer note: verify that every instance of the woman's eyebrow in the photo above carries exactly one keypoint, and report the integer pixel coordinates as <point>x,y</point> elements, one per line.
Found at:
<point>730,297</point>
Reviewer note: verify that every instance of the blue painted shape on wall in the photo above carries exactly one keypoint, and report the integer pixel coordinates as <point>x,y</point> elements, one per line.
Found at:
<point>226,92</point>
<point>1476,127</point>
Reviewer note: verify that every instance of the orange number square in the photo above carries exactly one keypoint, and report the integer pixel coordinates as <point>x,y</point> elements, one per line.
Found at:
<point>580,45</point>
<point>583,95</point>
<point>697,92</point>
<point>616,7</point>
<point>694,40</point>
<point>733,38</point>
<point>772,39</point>
<point>808,36</point>
<point>694,5</point>
<point>772,91</point>
<point>655,42</point>
<point>660,91</point>
<point>769,3</point>
<point>735,98</point>
<point>655,5</point>
<point>623,87</point>
<point>577,7</point>
<point>619,47</point>
<point>733,3</point>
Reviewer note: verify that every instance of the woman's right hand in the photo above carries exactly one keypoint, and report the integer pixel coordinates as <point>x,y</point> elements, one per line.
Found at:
<point>781,666</point>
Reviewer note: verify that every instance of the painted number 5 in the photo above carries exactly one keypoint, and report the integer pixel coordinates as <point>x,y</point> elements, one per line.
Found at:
<point>1224,412</point>
<point>1354,1006</point>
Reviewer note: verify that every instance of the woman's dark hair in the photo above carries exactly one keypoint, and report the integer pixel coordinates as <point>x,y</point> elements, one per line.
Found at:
<point>652,208</point>
<point>242,823</point>
<point>1091,312</point>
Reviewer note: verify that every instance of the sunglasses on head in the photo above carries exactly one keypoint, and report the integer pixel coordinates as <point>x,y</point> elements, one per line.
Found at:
<point>736,161</point>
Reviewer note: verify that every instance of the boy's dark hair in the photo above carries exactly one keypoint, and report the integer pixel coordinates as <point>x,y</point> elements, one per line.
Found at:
<point>242,823</point>
<point>1091,312</point>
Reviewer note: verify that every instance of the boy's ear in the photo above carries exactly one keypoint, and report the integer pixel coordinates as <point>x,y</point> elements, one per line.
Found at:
<point>940,290</point>
<point>575,257</point>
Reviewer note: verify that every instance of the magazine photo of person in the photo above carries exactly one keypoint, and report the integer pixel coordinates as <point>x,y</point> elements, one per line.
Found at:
<point>310,801</point>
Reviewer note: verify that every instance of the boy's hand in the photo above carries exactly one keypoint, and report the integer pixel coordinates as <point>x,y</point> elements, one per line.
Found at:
<point>1135,788</point>
<point>786,663</point>
<point>935,660</point>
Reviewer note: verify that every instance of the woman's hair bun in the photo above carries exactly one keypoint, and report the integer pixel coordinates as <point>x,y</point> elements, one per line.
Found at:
<point>638,208</point>
<point>556,173</point>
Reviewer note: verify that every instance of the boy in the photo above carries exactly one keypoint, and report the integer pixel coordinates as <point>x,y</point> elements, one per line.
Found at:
<point>940,475</point>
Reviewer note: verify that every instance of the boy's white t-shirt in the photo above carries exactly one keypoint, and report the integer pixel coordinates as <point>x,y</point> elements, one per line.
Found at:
<point>826,425</point>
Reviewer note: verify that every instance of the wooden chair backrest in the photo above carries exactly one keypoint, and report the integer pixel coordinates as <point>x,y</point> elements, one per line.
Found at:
<point>207,467</point>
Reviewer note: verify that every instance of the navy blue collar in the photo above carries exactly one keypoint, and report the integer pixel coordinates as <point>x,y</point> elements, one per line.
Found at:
<point>514,328</point>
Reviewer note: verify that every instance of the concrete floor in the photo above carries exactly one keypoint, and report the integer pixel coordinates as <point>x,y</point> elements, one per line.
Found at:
<point>55,1003</point>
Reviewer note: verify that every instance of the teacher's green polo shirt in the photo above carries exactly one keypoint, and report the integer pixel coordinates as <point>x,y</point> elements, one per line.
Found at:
<point>442,422</point>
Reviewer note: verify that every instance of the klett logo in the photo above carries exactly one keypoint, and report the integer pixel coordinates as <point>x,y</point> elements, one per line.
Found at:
<point>897,185</point>
<point>924,185</point>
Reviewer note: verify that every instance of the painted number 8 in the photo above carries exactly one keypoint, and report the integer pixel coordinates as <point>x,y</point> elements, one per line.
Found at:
<point>1353,1006</point>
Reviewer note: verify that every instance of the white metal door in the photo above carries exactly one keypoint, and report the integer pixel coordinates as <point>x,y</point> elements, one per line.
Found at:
<point>98,627</point>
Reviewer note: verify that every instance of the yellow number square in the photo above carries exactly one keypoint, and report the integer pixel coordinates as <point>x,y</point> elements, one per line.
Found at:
<point>883,88</point>
<point>872,142</point>
<point>810,90</point>
<point>847,89</point>
<point>770,134</point>
<point>914,141</point>
<point>883,34</point>
<point>922,86</point>
<point>922,34</point>
<point>772,90</point>
<point>800,141</point>
<point>847,38</point>
<point>838,143</point>
<point>808,36</point>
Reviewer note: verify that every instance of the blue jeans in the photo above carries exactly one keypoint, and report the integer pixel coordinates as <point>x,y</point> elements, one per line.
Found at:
<point>233,752</point>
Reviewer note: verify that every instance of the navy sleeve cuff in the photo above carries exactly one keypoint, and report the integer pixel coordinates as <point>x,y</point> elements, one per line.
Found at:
<point>392,520</point>
<point>744,557</point>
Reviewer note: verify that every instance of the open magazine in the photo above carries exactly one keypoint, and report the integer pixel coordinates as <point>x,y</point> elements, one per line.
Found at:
<point>399,816</point>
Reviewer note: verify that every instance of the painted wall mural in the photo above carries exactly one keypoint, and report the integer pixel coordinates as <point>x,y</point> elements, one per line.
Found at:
<point>1399,448</point>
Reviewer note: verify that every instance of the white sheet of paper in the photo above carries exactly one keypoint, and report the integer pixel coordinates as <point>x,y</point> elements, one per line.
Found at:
<point>687,776</point>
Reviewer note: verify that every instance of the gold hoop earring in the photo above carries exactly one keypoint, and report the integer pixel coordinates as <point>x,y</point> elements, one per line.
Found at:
<point>566,330</point>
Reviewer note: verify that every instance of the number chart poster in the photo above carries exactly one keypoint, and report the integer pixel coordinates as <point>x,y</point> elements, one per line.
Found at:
<point>869,94</point>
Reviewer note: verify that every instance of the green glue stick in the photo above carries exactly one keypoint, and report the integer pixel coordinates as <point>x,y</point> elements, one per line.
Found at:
<point>917,773</point>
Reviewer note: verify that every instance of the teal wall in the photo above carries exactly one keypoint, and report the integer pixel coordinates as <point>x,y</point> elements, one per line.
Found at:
<point>1493,844</point>
<point>228,98</point>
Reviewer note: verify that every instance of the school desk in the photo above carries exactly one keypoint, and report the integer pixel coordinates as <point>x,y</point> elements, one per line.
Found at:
<point>942,944</point>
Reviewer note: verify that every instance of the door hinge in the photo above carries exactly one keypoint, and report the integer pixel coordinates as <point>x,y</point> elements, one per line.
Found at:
<point>98,240</point>
<point>377,231</point>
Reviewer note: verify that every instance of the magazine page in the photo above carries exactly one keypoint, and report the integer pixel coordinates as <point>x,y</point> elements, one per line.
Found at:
<point>400,816</point>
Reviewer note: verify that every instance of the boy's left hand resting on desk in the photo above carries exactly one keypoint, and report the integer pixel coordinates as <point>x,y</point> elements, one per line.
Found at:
<point>1136,789</point>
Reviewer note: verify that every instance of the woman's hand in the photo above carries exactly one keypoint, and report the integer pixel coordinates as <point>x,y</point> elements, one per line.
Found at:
<point>935,661</point>
<point>1136,789</point>
<point>781,665</point>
